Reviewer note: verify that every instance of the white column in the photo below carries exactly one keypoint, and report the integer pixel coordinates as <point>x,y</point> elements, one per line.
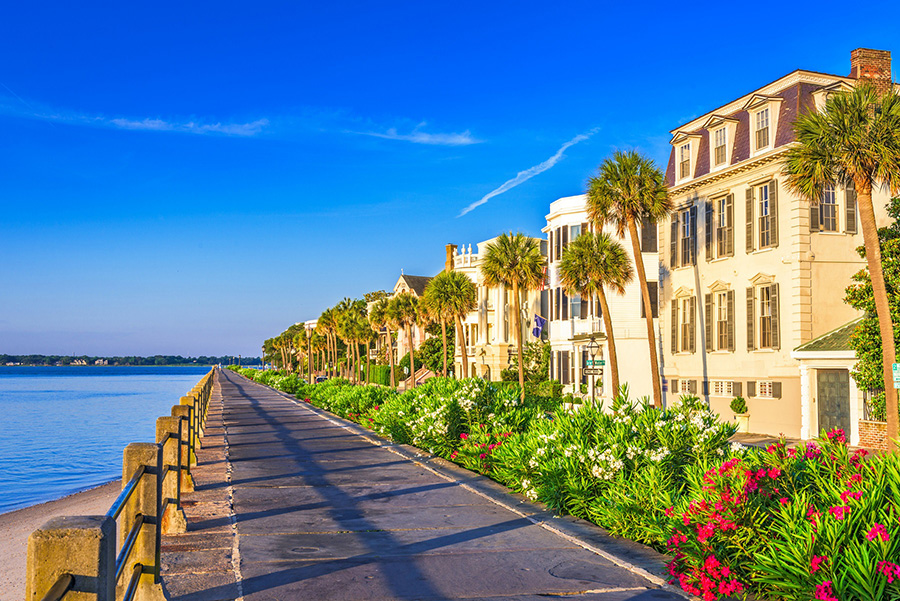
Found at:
<point>805,403</point>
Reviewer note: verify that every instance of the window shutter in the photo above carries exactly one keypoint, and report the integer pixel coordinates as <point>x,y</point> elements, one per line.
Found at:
<point>674,385</point>
<point>557,243</point>
<point>558,303</point>
<point>565,305</point>
<point>709,322</point>
<point>564,367</point>
<point>552,256</point>
<point>773,213</point>
<point>648,235</point>
<point>751,388</point>
<point>673,242</point>
<point>751,318</point>
<point>693,235</point>
<point>584,307</point>
<point>850,200</point>
<point>776,390</point>
<point>750,219</point>
<point>551,305</point>
<point>736,388</point>
<point>776,338</point>
<point>729,225</point>
<point>674,326</point>
<point>565,237</point>
<point>729,306</point>
<point>709,231</point>
<point>692,386</point>
<point>692,334</point>
<point>813,217</point>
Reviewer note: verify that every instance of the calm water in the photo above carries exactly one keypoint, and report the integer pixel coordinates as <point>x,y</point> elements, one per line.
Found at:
<point>63,429</point>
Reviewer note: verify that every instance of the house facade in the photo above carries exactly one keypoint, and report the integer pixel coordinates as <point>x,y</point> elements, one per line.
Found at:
<point>490,329</point>
<point>574,321</point>
<point>750,270</point>
<point>415,285</point>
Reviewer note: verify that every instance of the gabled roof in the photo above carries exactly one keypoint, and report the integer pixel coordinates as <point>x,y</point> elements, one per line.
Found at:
<point>416,283</point>
<point>835,340</point>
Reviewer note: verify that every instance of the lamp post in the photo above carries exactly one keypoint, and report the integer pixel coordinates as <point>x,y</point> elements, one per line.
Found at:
<point>593,347</point>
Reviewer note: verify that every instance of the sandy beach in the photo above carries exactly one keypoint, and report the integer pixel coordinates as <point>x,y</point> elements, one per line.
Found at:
<point>15,527</point>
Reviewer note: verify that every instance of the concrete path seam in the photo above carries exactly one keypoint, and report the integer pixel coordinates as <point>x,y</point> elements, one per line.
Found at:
<point>393,447</point>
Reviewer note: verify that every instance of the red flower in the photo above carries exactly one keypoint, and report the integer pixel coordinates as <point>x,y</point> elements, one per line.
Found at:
<point>816,562</point>
<point>839,512</point>
<point>878,531</point>
<point>670,511</point>
<point>891,570</point>
<point>464,436</point>
<point>824,592</point>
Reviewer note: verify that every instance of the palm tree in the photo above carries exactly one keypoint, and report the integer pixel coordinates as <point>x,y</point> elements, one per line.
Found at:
<point>855,141</point>
<point>404,311</point>
<point>326,325</point>
<point>514,261</point>
<point>452,295</point>
<point>588,265</point>
<point>628,189</point>
<point>380,318</point>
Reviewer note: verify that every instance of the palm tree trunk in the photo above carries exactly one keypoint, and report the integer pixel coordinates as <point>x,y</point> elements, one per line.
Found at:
<point>517,304</point>
<point>461,337</point>
<point>358,371</point>
<point>444,342</point>
<point>368,363</point>
<point>390,354</point>
<point>610,342</point>
<point>309,357</point>
<point>882,308</point>
<point>412,355</point>
<point>645,295</point>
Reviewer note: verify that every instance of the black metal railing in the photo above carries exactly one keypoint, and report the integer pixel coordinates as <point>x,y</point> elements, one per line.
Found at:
<point>187,439</point>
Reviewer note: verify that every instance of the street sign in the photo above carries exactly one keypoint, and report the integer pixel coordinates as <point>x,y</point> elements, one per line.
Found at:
<point>595,362</point>
<point>896,375</point>
<point>592,371</point>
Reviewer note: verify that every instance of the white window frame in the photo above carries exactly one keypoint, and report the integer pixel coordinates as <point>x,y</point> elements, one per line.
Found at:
<point>687,231</point>
<point>716,146</point>
<point>764,316</point>
<point>829,200</point>
<point>763,216</point>
<point>721,388</point>
<point>684,386</point>
<point>763,114</point>
<point>687,321</point>
<point>765,389</point>
<point>685,150</point>
<point>720,336</point>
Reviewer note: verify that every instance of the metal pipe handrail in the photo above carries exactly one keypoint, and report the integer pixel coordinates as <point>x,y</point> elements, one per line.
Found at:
<point>128,545</point>
<point>119,504</point>
<point>62,586</point>
<point>133,582</point>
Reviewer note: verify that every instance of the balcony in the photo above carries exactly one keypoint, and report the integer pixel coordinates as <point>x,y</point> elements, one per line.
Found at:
<point>587,327</point>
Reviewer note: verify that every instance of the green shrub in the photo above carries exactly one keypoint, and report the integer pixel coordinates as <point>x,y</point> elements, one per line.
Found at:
<point>380,374</point>
<point>739,405</point>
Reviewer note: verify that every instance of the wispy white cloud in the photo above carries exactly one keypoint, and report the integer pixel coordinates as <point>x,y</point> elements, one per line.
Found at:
<point>527,174</point>
<point>229,129</point>
<point>417,136</point>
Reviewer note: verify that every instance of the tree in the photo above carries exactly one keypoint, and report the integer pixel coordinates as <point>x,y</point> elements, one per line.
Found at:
<point>380,318</point>
<point>451,295</point>
<point>589,264</point>
<point>628,189</point>
<point>326,326</point>
<point>855,141</point>
<point>404,312</point>
<point>514,261</point>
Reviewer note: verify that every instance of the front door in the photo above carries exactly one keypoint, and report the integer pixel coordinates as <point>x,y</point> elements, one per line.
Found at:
<point>833,399</point>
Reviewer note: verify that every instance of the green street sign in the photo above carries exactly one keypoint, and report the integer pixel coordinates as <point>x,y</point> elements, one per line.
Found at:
<point>595,362</point>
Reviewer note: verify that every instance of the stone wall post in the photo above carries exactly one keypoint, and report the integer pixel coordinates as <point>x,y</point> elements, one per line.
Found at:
<point>194,436</point>
<point>144,502</point>
<point>183,412</point>
<point>173,518</point>
<point>82,546</point>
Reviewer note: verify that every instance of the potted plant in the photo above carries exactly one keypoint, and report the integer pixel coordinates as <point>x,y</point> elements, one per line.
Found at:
<point>741,413</point>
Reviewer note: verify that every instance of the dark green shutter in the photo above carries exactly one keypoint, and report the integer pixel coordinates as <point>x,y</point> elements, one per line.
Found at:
<point>813,216</point>
<point>773,300</point>
<point>693,235</point>
<point>709,230</point>
<point>674,326</point>
<point>750,219</point>
<point>709,322</point>
<point>729,225</point>
<point>776,390</point>
<point>729,306</point>
<point>692,386</point>
<point>673,242</point>
<point>751,317</point>
<point>692,333</point>
<point>736,388</point>
<point>552,256</point>
<point>565,305</point>
<point>773,213</point>
<point>674,385</point>
<point>751,389</point>
<point>850,200</point>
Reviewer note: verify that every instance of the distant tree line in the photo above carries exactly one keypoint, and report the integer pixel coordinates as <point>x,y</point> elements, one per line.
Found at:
<point>132,360</point>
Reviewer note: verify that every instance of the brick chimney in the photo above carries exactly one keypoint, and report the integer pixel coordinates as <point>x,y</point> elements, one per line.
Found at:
<point>451,250</point>
<point>874,66</point>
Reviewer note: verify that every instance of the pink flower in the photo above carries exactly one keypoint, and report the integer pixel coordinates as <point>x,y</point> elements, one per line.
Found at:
<point>815,564</point>
<point>839,512</point>
<point>824,592</point>
<point>482,456</point>
<point>891,570</point>
<point>705,531</point>
<point>464,436</point>
<point>837,435</point>
<point>670,511</point>
<point>878,531</point>
<point>774,472</point>
<point>453,455</point>
<point>857,455</point>
<point>783,500</point>
<point>812,451</point>
<point>855,495</point>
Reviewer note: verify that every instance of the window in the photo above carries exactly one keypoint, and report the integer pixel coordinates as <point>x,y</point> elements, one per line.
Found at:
<point>648,235</point>
<point>687,325</point>
<point>684,161</point>
<point>722,320</point>
<point>722,387</point>
<point>828,210</point>
<point>687,237</point>
<point>762,128</point>
<point>724,227</point>
<point>575,304</point>
<point>763,331</point>
<point>684,386</point>
<point>653,292</point>
<point>765,388</point>
<point>719,137</point>
<point>765,317</point>
<point>765,226</point>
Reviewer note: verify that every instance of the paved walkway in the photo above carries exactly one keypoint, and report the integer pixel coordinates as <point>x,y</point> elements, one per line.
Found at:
<point>292,503</point>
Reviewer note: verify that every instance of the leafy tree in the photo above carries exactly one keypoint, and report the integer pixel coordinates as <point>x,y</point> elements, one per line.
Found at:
<point>590,264</point>
<point>379,317</point>
<point>451,295</point>
<point>855,141</point>
<point>514,261</point>
<point>404,312</point>
<point>537,364</point>
<point>628,189</point>
<point>326,326</point>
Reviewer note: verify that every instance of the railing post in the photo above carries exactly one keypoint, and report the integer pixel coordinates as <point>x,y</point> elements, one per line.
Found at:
<point>81,546</point>
<point>188,401</point>
<point>167,436</point>
<point>144,502</point>
<point>183,412</point>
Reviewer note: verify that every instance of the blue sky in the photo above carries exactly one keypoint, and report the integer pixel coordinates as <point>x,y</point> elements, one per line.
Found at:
<point>192,178</point>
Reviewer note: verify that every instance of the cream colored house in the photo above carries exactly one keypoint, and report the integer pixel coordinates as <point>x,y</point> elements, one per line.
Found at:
<point>573,320</point>
<point>749,270</point>
<point>490,329</point>
<point>415,285</point>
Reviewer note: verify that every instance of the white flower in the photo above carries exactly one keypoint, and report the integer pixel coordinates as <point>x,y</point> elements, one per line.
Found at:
<point>736,447</point>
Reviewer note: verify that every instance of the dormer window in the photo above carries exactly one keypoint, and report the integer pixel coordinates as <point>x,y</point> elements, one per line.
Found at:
<point>719,139</point>
<point>684,161</point>
<point>762,128</point>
